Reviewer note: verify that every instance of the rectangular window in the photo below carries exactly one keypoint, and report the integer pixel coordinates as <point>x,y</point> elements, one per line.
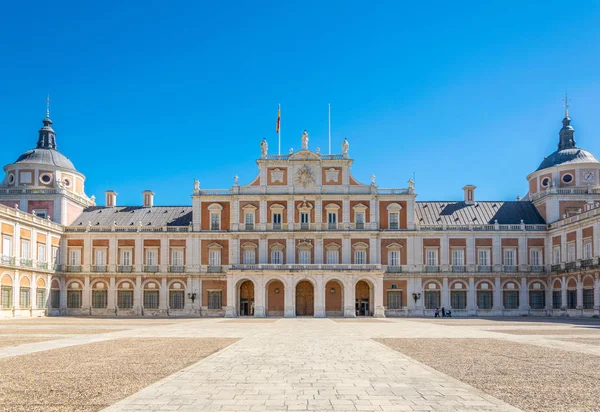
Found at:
<point>74,257</point>
<point>535,257</point>
<point>587,250</point>
<point>485,299</point>
<point>73,299</point>
<point>394,222</point>
<point>394,258</point>
<point>125,299</point>
<point>537,299</point>
<point>176,299</point>
<point>510,299</point>
<point>360,257</point>
<point>6,298</point>
<point>333,257</point>
<point>483,256</point>
<point>458,257</point>
<point>100,257</point>
<point>249,220</point>
<point>509,257</point>
<point>276,220</point>
<point>6,246</point>
<point>215,221</point>
<point>556,299</point>
<point>41,253</point>
<point>432,257</point>
<point>432,299</point>
<point>24,298</point>
<point>276,257</point>
<point>359,218</point>
<point>571,253</point>
<point>25,251</point>
<point>214,300</point>
<point>458,299</point>
<point>126,257</point>
<point>177,257</point>
<point>571,299</point>
<point>55,298</point>
<point>394,299</point>
<point>99,299</point>
<point>40,294</point>
<point>151,257</point>
<point>55,255</point>
<point>151,299</point>
<point>249,257</point>
<point>304,257</point>
<point>556,255</point>
<point>214,257</point>
<point>332,220</point>
<point>588,298</point>
<point>41,213</point>
<point>304,219</point>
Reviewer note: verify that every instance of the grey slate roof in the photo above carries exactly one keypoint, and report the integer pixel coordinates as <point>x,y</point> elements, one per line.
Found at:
<point>567,156</point>
<point>480,213</point>
<point>132,215</point>
<point>48,157</point>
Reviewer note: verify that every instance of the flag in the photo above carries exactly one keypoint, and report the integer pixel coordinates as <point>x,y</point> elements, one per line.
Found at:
<point>278,119</point>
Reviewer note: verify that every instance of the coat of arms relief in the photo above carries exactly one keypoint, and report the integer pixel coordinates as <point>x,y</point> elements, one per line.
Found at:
<point>304,177</point>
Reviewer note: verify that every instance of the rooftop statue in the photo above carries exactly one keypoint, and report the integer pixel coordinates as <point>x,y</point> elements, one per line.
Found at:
<point>345,147</point>
<point>304,140</point>
<point>264,148</point>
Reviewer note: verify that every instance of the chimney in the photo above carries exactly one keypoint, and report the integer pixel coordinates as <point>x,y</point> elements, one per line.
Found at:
<point>111,198</point>
<point>148,198</point>
<point>469,191</point>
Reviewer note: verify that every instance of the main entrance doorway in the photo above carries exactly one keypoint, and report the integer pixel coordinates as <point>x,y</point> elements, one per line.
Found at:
<point>363,299</point>
<point>247,299</point>
<point>305,299</point>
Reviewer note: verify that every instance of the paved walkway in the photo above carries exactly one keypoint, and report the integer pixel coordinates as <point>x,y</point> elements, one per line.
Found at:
<point>307,364</point>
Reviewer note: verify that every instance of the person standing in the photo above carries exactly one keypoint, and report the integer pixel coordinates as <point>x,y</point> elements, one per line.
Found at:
<point>443,312</point>
<point>436,313</point>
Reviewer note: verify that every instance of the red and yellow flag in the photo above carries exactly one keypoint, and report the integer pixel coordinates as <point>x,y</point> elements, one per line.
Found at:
<point>278,119</point>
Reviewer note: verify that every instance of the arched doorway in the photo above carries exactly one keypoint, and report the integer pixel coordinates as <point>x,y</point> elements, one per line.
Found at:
<point>246,307</point>
<point>363,304</point>
<point>305,299</point>
<point>334,298</point>
<point>275,298</point>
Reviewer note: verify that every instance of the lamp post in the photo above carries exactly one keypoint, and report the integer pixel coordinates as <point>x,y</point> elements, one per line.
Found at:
<point>416,296</point>
<point>192,296</point>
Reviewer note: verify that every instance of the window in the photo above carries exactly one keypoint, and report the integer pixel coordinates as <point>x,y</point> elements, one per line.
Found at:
<point>249,220</point>
<point>537,299</point>
<point>360,257</point>
<point>359,218</point>
<point>276,220</point>
<point>567,178</point>
<point>333,257</point>
<point>535,257</point>
<point>485,299</point>
<point>214,299</point>
<point>545,182</point>
<point>55,255</point>
<point>100,257</point>
<point>74,257</point>
<point>249,256</point>
<point>125,299</point>
<point>151,299</point>
<point>24,297</point>
<point>151,257</point>
<point>6,246</point>
<point>215,221</point>
<point>394,220</point>
<point>571,253</point>
<point>571,299</point>
<point>556,299</point>
<point>304,220</point>
<point>126,257</point>
<point>304,257</point>
<point>73,299</point>
<point>432,257</point>
<point>214,257</point>
<point>6,297</point>
<point>176,299</point>
<point>483,256</point>
<point>332,220</point>
<point>99,299</point>
<point>25,251</point>
<point>458,257</point>
<point>587,250</point>
<point>556,255</point>
<point>277,257</point>
<point>41,252</point>
<point>432,299</point>
<point>510,299</point>
<point>509,257</point>
<point>55,298</point>
<point>394,258</point>
<point>394,299</point>
<point>41,213</point>
<point>588,298</point>
<point>458,299</point>
<point>177,257</point>
<point>40,294</point>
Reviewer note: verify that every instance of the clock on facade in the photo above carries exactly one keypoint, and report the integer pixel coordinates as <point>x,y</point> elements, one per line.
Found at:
<point>588,177</point>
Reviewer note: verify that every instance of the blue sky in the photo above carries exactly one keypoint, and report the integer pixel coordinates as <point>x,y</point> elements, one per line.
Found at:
<point>152,94</point>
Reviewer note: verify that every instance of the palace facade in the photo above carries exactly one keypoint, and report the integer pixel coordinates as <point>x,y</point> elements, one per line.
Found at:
<point>303,238</point>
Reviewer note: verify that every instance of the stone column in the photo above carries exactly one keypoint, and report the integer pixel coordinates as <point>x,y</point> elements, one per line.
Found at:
<point>164,254</point>
<point>445,298</point>
<point>86,254</point>
<point>259,298</point>
<point>523,259</point>
<point>231,308</point>
<point>290,251</point>
<point>374,255</point>
<point>290,214</point>
<point>138,296</point>
<point>524,298</point>
<point>410,289</point>
<point>320,297</point>
<point>378,298</point>
<point>113,250</point>
<point>111,301</point>
<point>498,304</point>
<point>289,301</point>
<point>563,292</point>
<point>497,253</point>
<point>85,295</point>
<point>596,295</point>
<point>349,299</point>
<point>263,213</point>
<point>163,299</point>
<point>33,289</point>
<point>138,252</point>
<point>373,223</point>
<point>16,290</point>
<point>579,293</point>
<point>318,249</point>
<point>263,250</point>
<point>318,213</point>
<point>346,250</point>
<point>63,295</point>
<point>346,212</point>
<point>579,245</point>
<point>471,298</point>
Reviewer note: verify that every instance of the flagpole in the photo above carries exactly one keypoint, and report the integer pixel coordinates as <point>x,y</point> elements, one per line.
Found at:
<point>279,134</point>
<point>329,124</point>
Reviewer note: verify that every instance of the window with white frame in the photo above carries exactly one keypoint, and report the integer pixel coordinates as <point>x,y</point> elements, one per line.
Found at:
<point>277,220</point>
<point>276,257</point>
<point>571,252</point>
<point>394,258</point>
<point>74,298</point>
<point>587,249</point>
<point>394,299</point>
<point>304,219</point>
<point>510,257</point>
<point>100,257</point>
<point>215,221</point>
<point>99,297</point>
<point>535,257</point>
<point>177,257</point>
<point>125,299</point>
<point>360,257</point>
<point>333,256</point>
<point>25,250</point>
<point>556,255</point>
<point>41,213</point>
<point>151,298</point>
<point>458,257</point>
<point>40,294</point>
<point>483,256</point>
<point>41,252</point>
<point>249,220</point>
<point>332,219</point>
<point>126,257</point>
<point>214,257</point>
<point>249,256</point>
<point>304,257</point>
<point>75,257</point>
<point>431,256</point>
<point>359,218</point>
<point>394,216</point>
<point>151,257</point>
<point>7,246</point>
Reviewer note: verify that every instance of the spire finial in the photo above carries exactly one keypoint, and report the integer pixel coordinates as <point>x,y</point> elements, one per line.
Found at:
<point>48,106</point>
<point>566,105</point>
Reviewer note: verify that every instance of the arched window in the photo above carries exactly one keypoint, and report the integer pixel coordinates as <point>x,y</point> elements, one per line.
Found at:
<point>176,296</point>
<point>510,296</point>
<point>74,295</point>
<point>99,295</point>
<point>485,296</point>
<point>24,293</point>
<point>55,294</point>
<point>151,295</point>
<point>7,292</point>
<point>125,295</point>
<point>537,296</point>
<point>40,293</point>
<point>458,296</point>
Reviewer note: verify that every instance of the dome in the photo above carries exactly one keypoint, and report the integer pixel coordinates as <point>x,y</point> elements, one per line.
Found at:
<point>568,156</point>
<point>48,157</point>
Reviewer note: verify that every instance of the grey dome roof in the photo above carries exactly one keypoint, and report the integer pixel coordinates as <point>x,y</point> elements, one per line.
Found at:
<point>568,156</point>
<point>48,157</point>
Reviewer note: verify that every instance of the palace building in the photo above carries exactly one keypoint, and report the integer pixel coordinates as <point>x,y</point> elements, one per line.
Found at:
<point>303,238</point>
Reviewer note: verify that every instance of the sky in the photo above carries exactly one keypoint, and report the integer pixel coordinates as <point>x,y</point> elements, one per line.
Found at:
<point>154,94</point>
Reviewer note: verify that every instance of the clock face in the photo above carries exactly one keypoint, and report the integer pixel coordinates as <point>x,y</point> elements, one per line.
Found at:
<point>588,177</point>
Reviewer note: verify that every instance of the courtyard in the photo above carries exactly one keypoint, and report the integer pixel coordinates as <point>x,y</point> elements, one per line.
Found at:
<point>281,364</point>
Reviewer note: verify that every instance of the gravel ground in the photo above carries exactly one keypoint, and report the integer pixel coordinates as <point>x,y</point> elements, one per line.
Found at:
<point>570,331</point>
<point>250,320</point>
<point>55,331</point>
<point>587,341</point>
<point>93,376</point>
<point>529,377</point>
<point>359,320</point>
<point>6,341</point>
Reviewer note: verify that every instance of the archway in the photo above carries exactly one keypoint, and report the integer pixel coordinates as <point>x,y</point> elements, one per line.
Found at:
<point>246,307</point>
<point>275,298</point>
<point>334,298</point>
<point>305,299</point>
<point>363,299</point>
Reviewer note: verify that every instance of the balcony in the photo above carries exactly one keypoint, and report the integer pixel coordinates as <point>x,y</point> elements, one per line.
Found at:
<point>41,265</point>
<point>74,268</point>
<point>556,268</point>
<point>7,260</point>
<point>215,269</point>
<point>510,268</point>
<point>99,268</point>
<point>459,268</point>
<point>537,269</point>
<point>394,269</point>
<point>484,269</point>
<point>359,226</point>
<point>276,226</point>
<point>570,266</point>
<point>332,226</point>
<point>125,269</point>
<point>432,268</point>
<point>394,226</point>
<point>176,269</point>
<point>587,263</point>
<point>151,268</point>
<point>27,263</point>
<point>300,267</point>
<point>249,227</point>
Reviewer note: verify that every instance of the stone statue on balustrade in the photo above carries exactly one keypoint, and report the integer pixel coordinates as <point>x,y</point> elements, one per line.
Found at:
<point>264,148</point>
